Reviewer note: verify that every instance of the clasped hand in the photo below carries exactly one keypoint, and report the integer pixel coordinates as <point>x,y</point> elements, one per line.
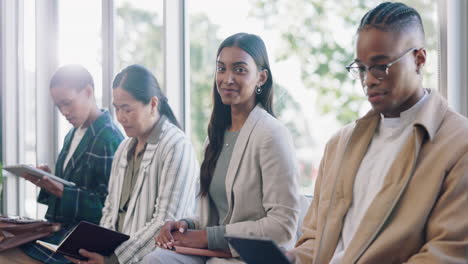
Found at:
<point>176,233</point>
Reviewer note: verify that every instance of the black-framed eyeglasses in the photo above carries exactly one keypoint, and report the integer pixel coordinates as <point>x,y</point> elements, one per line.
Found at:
<point>379,71</point>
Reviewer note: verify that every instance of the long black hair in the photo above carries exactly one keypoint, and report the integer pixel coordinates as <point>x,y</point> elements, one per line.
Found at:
<point>142,85</point>
<point>221,115</point>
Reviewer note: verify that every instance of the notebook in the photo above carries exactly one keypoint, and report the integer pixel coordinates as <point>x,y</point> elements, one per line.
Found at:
<point>254,250</point>
<point>87,236</point>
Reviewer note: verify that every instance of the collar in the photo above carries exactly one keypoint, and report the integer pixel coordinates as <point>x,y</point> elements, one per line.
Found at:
<point>406,117</point>
<point>429,114</point>
<point>98,124</point>
<point>155,132</point>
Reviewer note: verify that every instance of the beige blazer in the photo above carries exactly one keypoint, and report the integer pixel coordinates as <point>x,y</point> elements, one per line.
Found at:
<point>261,183</point>
<point>421,213</point>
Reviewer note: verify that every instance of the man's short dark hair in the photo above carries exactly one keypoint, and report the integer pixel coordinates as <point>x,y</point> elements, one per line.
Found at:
<point>394,17</point>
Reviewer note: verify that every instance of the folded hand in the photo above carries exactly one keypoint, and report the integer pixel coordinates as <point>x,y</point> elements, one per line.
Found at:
<point>191,238</point>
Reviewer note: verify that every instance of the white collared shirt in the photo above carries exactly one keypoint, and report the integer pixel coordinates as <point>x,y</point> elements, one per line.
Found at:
<point>79,134</point>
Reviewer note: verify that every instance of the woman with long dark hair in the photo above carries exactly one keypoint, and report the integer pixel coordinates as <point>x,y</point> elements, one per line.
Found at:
<point>248,175</point>
<point>154,171</point>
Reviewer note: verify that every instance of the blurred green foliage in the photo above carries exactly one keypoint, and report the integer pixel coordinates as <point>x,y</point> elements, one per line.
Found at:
<point>139,39</point>
<point>321,35</point>
<point>318,34</point>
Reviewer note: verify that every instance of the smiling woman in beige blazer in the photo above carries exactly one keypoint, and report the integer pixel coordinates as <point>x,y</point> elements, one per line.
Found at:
<point>248,175</point>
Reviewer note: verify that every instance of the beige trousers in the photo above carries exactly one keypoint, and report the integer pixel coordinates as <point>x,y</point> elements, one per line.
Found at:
<point>16,256</point>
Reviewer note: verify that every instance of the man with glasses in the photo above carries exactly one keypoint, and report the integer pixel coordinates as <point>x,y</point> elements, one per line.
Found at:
<point>392,187</point>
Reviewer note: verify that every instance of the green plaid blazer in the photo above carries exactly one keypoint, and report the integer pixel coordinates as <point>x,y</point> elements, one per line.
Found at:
<point>89,168</point>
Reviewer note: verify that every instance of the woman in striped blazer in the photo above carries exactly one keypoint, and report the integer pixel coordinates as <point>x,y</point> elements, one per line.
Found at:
<point>154,171</point>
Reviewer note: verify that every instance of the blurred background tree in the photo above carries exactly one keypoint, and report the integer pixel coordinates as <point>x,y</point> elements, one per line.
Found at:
<point>139,38</point>
<point>203,47</point>
<point>140,41</point>
<point>321,35</point>
<point>313,38</point>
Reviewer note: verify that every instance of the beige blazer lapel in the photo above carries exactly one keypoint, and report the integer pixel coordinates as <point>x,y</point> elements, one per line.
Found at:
<point>342,193</point>
<point>380,209</point>
<point>238,153</point>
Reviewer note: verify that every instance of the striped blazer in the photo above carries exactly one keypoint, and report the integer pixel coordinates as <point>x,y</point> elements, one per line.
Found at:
<point>164,190</point>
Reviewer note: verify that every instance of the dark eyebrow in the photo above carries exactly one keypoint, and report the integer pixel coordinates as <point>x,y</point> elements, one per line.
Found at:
<point>235,63</point>
<point>240,63</point>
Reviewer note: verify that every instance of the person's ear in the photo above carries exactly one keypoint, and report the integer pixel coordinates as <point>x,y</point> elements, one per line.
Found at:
<point>420,59</point>
<point>89,91</point>
<point>263,77</point>
<point>154,103</point>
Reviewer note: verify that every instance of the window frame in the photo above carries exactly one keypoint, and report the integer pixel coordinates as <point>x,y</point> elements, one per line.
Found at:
<point>453,57</point>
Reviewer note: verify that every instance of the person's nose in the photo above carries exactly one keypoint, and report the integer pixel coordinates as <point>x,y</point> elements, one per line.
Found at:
<point>229,78</point>
<point>369,81</point>
<point>121,117</point>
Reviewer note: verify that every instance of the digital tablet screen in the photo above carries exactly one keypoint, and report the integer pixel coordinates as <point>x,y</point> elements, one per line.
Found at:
<point>257,250</point>
<point>23,169</point>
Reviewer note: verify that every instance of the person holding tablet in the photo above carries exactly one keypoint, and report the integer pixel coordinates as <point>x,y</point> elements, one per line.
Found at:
<point>154,172</point>
<point>248,181</point>
<point>85,159</point>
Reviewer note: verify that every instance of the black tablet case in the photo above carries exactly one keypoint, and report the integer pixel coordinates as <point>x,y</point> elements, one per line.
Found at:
<point>257,250</point>
<point>93,238</point>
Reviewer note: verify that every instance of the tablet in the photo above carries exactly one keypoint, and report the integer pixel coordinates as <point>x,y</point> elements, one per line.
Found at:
<point>19,170</point>
<point>254,250</point>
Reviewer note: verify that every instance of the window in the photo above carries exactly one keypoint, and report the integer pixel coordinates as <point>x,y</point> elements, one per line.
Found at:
<point>80,42</point>
<point>313,95</point>
<point>28,105</point>
<point>139,35</point>
<point>309,42</point>
<point>1,137</point>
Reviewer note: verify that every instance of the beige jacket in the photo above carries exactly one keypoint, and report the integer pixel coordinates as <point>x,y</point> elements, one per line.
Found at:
<point>421,213</point>
<point>261,183</point>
